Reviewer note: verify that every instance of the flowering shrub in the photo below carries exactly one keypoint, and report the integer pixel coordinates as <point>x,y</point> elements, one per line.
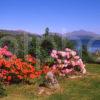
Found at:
<point>68,61</point>
<point>12,67</point>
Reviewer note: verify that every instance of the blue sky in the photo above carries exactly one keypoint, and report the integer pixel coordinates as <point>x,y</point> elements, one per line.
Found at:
<point>58,15</point>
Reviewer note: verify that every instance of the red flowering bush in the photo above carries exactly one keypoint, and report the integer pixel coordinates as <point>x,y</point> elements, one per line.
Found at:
<point>12,67</point>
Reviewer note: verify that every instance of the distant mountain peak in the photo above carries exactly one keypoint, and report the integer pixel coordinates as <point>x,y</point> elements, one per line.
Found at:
<point>82,34</point>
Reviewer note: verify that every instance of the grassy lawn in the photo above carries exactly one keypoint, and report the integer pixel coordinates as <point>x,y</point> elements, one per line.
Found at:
<point>85,88</point>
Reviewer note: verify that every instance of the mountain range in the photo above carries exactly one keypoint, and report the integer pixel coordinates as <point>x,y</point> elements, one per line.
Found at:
<point>83,35</point>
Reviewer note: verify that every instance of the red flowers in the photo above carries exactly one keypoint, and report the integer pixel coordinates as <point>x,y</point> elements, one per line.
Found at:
<point>30,59</point>
<point>9,78</point>
<point>32,76</point>
<point>22,69</point>
<point>45,69</point>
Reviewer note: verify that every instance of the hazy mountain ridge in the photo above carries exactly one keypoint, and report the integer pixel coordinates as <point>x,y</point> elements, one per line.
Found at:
<point>16,32</point>
<point>82,34</point>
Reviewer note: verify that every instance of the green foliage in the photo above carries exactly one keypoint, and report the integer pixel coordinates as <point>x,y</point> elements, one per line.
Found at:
<point>47,46</point>
<point>32,46</point>
<point>46,32</point>
<point>85,54</point>
<point>38,46</point>
<point>2,91</point>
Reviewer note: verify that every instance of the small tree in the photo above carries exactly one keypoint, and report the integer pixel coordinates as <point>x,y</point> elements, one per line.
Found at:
<point>85,54</point>
<point>46,32</point>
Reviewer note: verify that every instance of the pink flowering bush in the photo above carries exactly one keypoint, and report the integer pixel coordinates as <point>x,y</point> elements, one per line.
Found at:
<point>68,61</point>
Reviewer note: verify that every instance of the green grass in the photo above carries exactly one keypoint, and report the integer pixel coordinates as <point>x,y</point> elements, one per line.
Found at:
<point>85,88</point>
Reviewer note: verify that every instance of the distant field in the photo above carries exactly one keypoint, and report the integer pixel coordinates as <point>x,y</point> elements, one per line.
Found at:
<point>85,88</point>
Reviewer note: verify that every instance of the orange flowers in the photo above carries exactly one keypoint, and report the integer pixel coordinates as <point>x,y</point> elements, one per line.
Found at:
<point>22,69</point>
<point>45,69</point>
<point>32,76</point>
<point>30,59</point>
<point>9,78</point>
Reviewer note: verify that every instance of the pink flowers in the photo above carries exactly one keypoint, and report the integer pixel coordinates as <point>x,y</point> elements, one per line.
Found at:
<point>62,53</point>
<point>76,57</point>
<point>73,53</point>
<point>67,50</point>
<point>54,54</point>
<point>59,61</point>
<point>67,71</point>
<point>4,51</point>
<point>68,58</point>
<point>65,61</point>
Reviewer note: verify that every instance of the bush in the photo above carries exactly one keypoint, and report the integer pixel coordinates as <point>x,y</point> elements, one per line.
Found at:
<point>2,91</point>
<point>15,70</point>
